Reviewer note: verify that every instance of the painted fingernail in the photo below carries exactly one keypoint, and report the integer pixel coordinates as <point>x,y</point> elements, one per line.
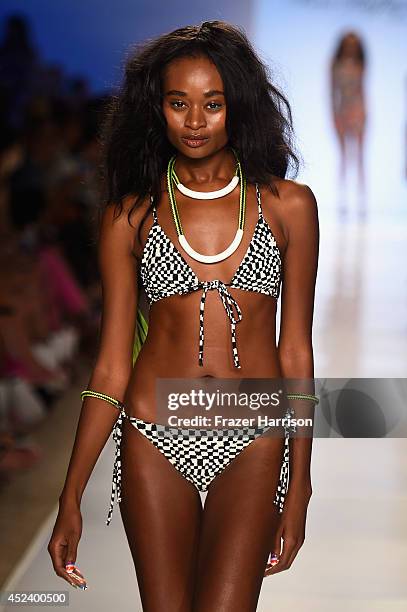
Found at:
<point>82,586</point>
<point>273,560</point>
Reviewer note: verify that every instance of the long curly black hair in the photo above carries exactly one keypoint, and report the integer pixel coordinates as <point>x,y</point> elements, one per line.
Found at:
<point>135,148</point>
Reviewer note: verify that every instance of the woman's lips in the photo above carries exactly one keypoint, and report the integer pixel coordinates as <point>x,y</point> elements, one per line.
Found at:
<point>195,143</point>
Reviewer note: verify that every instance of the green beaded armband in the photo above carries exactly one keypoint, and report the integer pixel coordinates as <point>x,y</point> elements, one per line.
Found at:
<point>102,396</point>
<point>306,396</point>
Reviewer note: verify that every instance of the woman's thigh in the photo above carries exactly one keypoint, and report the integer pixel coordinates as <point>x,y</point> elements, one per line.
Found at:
<point>161,513</point>
<point>238,529</point>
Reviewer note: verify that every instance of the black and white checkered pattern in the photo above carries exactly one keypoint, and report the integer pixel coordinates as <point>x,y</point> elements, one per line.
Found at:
<point>282,486</point>
<point>165,272</point>
<point>198,454</point>
<point>260,269</point>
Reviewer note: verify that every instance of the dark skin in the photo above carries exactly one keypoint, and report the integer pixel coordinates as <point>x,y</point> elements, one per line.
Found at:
<point>206,558</point>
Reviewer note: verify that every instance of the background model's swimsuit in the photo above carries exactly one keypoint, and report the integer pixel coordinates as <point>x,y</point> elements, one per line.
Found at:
<point>196,453</point>
<point>164,272</point>
<point>347,93</point>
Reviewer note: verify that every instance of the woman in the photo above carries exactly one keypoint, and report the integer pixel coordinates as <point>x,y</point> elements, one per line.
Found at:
<point>196,110</point>
<point>348,104</point>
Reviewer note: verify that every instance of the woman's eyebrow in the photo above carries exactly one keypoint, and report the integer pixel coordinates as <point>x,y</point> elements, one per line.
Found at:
<point>207,94</point>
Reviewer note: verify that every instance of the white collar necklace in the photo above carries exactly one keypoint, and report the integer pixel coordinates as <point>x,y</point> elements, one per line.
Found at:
<point>206,195</point>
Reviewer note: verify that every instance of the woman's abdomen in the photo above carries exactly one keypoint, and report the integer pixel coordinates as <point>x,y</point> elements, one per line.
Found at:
<point>172,345</point>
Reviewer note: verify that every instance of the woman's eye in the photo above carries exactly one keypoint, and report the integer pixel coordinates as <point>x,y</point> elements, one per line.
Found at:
<point>217,105</point>
<point>176,102</point>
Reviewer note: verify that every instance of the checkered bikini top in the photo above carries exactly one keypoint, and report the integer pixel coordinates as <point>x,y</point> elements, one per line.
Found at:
<point>165,272</point>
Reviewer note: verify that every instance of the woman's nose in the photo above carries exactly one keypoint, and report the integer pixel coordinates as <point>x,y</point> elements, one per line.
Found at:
<point>195,118</point>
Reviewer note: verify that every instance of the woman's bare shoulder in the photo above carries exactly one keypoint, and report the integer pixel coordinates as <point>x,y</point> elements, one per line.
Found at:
<point>122,220</point>
<point>299,209</point>
<point>137,211</point>
<point>293,201</point>
<point>293,197</point>
<point>291,191</point>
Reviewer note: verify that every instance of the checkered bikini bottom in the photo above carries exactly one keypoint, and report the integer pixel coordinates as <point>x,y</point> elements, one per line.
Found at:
<point>198,454</point>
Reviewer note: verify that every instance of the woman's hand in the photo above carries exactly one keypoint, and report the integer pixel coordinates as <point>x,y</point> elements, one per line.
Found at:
<point>63,544</point>
<point>291,528</point>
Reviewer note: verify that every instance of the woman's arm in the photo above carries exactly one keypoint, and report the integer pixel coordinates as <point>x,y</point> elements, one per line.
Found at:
<point>296,360</point>
<point>297,306</point>
<point>111,373</point>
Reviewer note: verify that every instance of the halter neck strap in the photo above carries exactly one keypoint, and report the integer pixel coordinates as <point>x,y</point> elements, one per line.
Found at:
<point>154,210</point>
<point>258,196</point>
